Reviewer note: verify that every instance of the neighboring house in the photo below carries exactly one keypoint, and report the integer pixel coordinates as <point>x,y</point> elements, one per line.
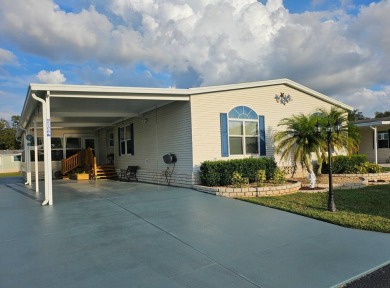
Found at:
<point>140,125</point>
<point>375,139</point>
<point>10,161</point>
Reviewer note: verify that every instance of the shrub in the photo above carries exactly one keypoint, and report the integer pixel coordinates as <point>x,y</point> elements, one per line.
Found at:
<point>355,164</point>
<point>345,164</point>
<point>279,176</point>
<point>218,173</point>
<point>237,180</point>
<point>373,168</point>
<point>261,177</point>
<point>367,167</point>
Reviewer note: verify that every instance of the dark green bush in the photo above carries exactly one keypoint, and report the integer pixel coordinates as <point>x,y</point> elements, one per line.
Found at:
<point>218,173</point>
<point>346,164</point>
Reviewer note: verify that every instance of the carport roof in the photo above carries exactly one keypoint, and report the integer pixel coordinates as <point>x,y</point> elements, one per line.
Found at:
<point>95,106</point>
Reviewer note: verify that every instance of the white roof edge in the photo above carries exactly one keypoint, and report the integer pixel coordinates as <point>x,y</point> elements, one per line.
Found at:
<point>107,89</point>
<point>187,92</point>
<point>282,81</point>
<point>376,123</point>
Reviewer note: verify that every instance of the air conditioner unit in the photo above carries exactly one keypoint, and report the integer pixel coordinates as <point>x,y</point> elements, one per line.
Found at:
<point>57,174</point>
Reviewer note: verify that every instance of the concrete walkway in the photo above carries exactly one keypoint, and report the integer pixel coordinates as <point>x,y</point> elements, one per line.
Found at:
<point>118,234</point>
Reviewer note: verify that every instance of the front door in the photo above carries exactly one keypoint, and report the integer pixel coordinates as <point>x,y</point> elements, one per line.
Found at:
<point>89,143</point>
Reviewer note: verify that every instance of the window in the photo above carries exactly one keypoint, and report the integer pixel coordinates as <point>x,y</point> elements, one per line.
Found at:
<point>17,158</point>
<point>383,139</point>
<point>126,140</point>
<point>242,132</point>
<point>111,139</point>
<point>73,146</point>
<point>56,149</point>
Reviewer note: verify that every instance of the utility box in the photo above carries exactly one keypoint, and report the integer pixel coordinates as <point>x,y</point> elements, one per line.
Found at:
<point>170,158</point>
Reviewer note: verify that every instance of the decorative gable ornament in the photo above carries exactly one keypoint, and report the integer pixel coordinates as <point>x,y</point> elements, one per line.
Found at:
<point>283,98</point>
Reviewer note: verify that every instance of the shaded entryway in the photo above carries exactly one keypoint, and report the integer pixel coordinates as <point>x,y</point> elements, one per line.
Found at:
<point>120,234</point>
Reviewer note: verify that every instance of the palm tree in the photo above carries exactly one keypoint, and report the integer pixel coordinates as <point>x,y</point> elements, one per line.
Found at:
<point>348,137</point>
<point>297,141</point>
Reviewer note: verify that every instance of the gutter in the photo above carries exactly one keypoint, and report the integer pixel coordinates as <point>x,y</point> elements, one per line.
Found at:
<point>45,146</point>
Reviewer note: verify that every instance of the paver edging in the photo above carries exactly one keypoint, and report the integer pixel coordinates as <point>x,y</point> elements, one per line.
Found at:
<point>287,188</point>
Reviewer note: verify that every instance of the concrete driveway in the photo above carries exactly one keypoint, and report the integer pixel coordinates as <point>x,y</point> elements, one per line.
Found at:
<point>118,234</point>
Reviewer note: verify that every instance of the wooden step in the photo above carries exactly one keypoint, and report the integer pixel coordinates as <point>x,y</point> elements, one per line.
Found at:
<point>106,172</point>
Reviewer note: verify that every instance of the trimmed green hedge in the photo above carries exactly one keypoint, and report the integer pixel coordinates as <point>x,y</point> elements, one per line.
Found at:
<point>354,164</point>
<point>218,173</point>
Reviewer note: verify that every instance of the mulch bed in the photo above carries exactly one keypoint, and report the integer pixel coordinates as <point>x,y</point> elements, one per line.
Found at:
<point>324,179</point>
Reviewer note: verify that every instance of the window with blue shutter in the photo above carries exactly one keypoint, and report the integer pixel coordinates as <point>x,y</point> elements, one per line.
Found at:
<point>126,139</point>
<point>242,132</point>
<point>262,143</point>
<point>224,136</point>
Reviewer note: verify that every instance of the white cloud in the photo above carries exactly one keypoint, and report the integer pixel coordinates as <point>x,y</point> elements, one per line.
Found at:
<point>105,71</point>
<point>51,77</point>
<point>370,101</point>
<point>6,57</point>
<point>210,42</point>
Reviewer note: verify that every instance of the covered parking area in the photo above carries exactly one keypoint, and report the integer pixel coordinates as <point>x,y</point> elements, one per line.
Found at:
<point>119,234</point>
<point>51,107</point>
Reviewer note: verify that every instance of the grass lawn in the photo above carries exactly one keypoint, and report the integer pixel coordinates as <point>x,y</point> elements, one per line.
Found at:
<point>365,208</point>
<point>15,174</point>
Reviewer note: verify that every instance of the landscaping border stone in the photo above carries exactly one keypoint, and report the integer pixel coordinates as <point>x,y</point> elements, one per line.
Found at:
<point>294,186</point>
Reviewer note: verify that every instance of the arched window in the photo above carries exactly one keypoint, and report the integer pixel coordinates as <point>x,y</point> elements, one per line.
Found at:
<point>243,131</point>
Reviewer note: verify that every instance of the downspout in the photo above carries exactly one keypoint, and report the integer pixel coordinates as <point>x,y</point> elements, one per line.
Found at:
<point>375,143</point>
<point>27,158</point>
<point>45,144</point>
<point>36,156</point>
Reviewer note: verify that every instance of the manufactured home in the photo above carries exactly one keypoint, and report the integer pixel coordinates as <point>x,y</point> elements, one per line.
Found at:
<point>10,161</point>
<point>128,126</point>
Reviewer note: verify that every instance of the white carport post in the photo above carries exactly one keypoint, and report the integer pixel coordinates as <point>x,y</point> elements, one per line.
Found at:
<point>27,159</point>
<point>375,143</point>
<point>46,148</point>
<point>36,155</point>
<point>47,138</point>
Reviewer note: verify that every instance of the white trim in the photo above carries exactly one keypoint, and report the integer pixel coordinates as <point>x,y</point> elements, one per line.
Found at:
<point>288,82</point>
<point>372,124</point>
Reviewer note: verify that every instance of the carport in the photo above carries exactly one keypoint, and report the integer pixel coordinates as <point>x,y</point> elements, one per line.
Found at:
<point>48,107</point>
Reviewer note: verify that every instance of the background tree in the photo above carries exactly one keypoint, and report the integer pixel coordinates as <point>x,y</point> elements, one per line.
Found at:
<point>382,114</point>
<point>15,121</point>
<point>4,123</point>
<point>355,115</point>
<point>8,134</point>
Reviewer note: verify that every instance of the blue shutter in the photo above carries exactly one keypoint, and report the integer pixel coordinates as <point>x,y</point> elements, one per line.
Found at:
<point>224,136</point>
<point>119,141</point>
<point>263,151</point>
<point>132,139</point>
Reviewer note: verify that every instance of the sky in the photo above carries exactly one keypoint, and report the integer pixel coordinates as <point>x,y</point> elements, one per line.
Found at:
<point>340,48</point>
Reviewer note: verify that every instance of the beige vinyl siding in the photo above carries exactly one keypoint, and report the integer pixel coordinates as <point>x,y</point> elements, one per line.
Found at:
<point>7,163</point>
<point>168,130</point>
<point>206,109</point>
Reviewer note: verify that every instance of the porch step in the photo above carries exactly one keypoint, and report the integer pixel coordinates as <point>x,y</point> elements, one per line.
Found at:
<point>106,172</point>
